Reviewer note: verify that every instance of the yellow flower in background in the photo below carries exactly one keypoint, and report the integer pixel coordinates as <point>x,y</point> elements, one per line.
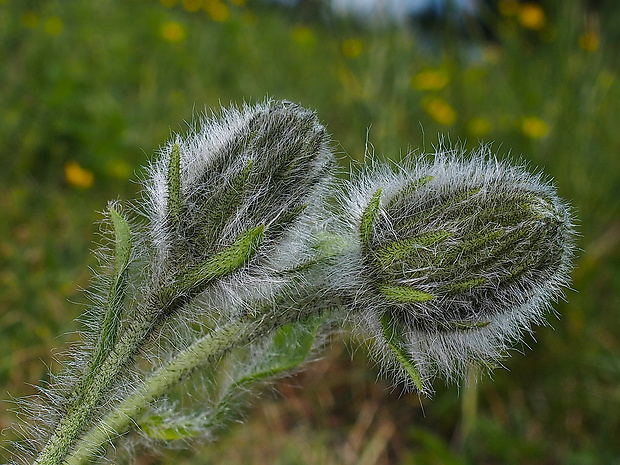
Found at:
<point>479,127</point>
<point>532,16</point>
<point>192,5</point>
<point>589,41</point>
<point>76,176</point>
<point>352,48</point>
<point>216,10</point>
<point>53,26</point>
<point>534,127</point>
<point>303,36</point>
<point>172,31</point>
<point>430,80</point>
<point>440,110</point>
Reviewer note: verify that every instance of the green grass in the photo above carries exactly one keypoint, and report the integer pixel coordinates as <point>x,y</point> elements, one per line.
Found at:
<point>103,84</point>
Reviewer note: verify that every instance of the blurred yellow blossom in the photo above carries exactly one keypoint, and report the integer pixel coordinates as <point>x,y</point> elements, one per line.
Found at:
<point>192,5</point>
<point>508,7</point>
<point>534,127</point>
<point>479,127</point>
<point>589,41</point>
<point>216,10</point>
<point>172,31</point>
<point>303,36</point>
<point>53,25</point>
<point>352,48</point>
<point>76,176</point>
<point>430,80</point>
<point>440,110</point>
<point>30,19</point>
<point>532,16</point>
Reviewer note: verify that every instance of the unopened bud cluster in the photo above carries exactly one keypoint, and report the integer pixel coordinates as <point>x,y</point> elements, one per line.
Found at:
<point>254,252</point>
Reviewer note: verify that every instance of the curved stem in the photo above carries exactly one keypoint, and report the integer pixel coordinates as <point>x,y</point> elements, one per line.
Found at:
<point>161,381</point>
<point>80,412</point>
<point>73,443</point>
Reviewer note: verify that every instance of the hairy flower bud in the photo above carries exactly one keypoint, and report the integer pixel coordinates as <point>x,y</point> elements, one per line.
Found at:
<point>253,169</point>
<point>457,258</point>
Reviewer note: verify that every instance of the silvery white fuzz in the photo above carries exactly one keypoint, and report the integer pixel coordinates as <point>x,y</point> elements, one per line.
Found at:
<point>451,259</point>
<point>246,252</point>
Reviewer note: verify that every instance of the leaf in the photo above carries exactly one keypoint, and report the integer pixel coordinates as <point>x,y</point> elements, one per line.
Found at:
<point>221,208</point>
<point>368,217</point>
<point>164,428</point>
<point>393,253</point>
<point>289,347</point>
<point>110,326</point>
<point>122,235</point>
<point>404,294</point>
<point>397,345</point>
<point>174,186</point>
<point>401,195</point>
<point>225,262</point>
<point>463,325</point>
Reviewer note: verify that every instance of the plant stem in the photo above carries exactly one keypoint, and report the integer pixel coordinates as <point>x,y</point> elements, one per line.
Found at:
<point>74,440</point>
<point>80,412</point>
<point>161,381</point>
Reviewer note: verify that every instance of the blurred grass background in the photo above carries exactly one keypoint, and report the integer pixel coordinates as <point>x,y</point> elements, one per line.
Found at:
<point>89,90</point>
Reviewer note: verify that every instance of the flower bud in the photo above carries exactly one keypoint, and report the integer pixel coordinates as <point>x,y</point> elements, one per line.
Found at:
<point>458,257</point>
<point>255,167</point>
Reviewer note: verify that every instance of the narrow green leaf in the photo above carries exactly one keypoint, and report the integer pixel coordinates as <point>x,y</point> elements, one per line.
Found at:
<point>454,205</point>
<point>403,193</point>
<point>394,252</point>
<point>163,428</point>
<point>219,210</point>
<point>111,324</point>
<point>122,237</point>
<point>396,344</point>
<point>404,294</point>
<point>174,185</point>
<point>368,217</point>
<point>464,325</point>
<point>225,262</point>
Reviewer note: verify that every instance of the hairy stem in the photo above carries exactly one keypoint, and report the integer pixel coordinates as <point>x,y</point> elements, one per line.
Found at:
<point>79,414</point>
<point>203,351</point>
<point>167,298</point>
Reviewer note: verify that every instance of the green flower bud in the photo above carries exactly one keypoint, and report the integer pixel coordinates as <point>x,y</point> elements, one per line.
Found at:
<point>458,257</point>
<point>257,168</point>
<point>259,165</point>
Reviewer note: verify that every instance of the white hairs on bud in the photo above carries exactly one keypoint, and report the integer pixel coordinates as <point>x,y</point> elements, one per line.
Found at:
<point>451,321</point>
